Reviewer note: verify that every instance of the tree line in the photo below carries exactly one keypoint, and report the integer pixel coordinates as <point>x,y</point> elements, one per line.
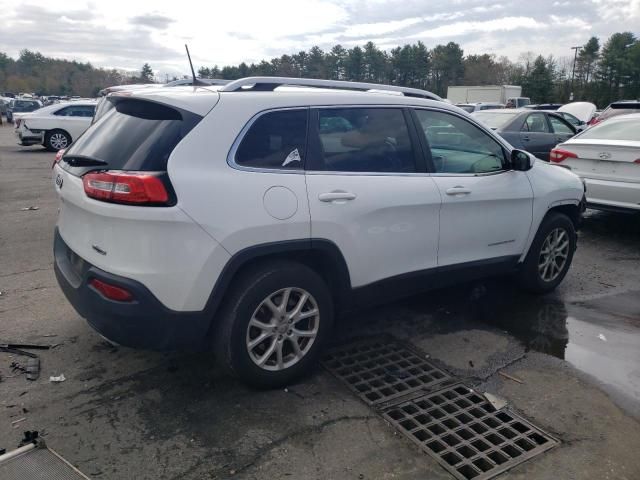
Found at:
<point>32,72</point>
<point>602,73</point>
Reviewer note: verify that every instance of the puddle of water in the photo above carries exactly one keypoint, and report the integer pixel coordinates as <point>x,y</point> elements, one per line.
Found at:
<point>600,337</point>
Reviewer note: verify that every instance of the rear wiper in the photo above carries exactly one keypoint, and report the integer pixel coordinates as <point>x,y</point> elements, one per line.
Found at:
<point>83,161</point>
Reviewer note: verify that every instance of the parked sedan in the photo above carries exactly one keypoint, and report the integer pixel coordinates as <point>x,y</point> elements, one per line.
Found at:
<point>607,157</point>
<point>55,126</point>
<point>534,131</point>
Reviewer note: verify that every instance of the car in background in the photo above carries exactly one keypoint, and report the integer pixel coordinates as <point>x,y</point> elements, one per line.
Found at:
<point>21,105</point>
<point>475,107</point>
<point>56,126</point>
<point>535,131</point>
<point>607,157</point>
<point>577,114</point>
<point>544,106</point>
<point>622,107</point>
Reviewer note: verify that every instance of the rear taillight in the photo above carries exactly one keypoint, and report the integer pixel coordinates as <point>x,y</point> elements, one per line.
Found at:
<point>112,292</point>
<point>58,157</point>
<point>137,188</point>
<point>558,155</point>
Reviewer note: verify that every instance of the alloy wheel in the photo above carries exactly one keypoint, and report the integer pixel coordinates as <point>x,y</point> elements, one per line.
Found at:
<point>282,329</point>
<point>58,141</point>
<point>554,254</point>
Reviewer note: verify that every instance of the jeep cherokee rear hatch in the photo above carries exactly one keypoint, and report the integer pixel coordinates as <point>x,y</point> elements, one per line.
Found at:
<point>118,211</point>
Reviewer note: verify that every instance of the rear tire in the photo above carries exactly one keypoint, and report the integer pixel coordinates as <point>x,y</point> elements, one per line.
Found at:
<point>275,302</point>
<point>55,140</point>
<point>550,255</point>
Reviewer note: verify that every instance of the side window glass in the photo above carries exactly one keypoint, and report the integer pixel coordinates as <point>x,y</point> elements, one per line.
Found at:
<point>536,123</point>
<point>275,140</point>
<point>458,146</point>
<point>559,126</point>
<point>365,140</point>
<point>62,112</point>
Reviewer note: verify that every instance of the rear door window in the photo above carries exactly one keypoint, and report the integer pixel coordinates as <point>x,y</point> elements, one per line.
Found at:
<point>536,123</point>
<point>134,135</point>
<point>276,140</point>
<point>364,140</point>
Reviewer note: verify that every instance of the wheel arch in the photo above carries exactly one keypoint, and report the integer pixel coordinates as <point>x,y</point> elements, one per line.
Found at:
<point>51,131</point>
<point>322,256</point>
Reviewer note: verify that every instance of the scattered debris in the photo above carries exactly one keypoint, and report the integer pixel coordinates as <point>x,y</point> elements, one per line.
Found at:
<point>58,379</point>
<point>497,402</point>
<point>286,390</point>
<point>506,375</point>
<point>25,209</point>
<point>32,369</point>
<point>602,337</point>
<point>471,363</point>
<point>15,423</point>
<point>606,284</point>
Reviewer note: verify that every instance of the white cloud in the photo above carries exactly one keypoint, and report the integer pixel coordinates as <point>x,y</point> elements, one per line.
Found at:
<point>505,24</point>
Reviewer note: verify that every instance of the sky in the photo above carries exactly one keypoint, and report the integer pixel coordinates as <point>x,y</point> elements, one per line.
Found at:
<point>125,35</point>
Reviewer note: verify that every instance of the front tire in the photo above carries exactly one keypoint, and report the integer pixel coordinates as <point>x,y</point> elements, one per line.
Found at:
<point>56,140</point>
<point>274,324</point>
<point>550,255</point>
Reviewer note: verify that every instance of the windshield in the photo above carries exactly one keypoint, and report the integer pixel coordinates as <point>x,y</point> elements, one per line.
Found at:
<point>628,129</point>
<point>495,119</point>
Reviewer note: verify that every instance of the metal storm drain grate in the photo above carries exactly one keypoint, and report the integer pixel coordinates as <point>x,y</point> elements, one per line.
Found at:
<point>381,370</point>
<point>465,434</point>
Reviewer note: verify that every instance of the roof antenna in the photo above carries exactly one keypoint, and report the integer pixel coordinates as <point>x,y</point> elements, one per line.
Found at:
<point>193,73</point>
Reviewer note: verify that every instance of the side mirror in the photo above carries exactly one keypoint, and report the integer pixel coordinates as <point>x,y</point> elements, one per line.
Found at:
<point>521,161</point>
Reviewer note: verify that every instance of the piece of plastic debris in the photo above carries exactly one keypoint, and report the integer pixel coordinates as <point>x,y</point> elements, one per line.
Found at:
<point>286,390</point>
<point>506,375</point>
<point>497,402</point>
<point>16,422</point>
<point>602,337</point>
<point>25,209</point>
<point>58,379</point>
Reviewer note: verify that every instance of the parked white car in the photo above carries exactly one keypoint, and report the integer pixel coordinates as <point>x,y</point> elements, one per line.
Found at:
<point>241,218</point>
<point>479,106</point>
<point>56,126</point>
<point>607,157</point>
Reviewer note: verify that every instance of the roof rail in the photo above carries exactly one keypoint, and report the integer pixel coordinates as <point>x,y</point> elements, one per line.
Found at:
<point>267,84</point>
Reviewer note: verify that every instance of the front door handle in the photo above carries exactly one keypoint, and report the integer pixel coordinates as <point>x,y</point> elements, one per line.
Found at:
<point>458,190</point>
<point>336,196</point>
<point>526,138</point>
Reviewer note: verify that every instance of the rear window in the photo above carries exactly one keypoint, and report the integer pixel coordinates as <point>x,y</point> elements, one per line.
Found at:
<point>495,120</point>
<point>615,130</point>
<point>22,106</point>
<point>134,135</point>
<point>619,109</point>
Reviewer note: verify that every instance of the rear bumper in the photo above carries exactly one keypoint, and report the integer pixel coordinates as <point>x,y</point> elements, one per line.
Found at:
<point>612,195</point>
<point>142,323</point>
<point>27,137</point>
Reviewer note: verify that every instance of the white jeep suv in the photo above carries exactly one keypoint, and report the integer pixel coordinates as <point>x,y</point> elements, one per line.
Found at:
<point>244,217</point>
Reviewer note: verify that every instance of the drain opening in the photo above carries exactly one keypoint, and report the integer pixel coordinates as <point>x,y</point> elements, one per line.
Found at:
<point>381,370</point>
<point>462,431</point>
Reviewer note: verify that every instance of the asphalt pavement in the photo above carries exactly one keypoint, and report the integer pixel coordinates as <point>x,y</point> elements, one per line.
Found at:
<point>571,359</point>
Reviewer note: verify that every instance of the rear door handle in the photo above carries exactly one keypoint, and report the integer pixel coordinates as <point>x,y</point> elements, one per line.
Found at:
<point>526,138</point>
<point>336,196</point>
<point>458,190</point>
